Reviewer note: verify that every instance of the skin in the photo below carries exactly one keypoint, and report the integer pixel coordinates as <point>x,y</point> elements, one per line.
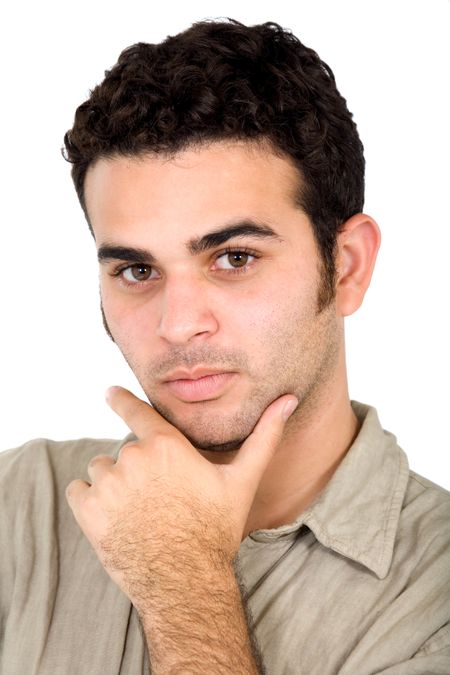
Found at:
<point>203,474</point>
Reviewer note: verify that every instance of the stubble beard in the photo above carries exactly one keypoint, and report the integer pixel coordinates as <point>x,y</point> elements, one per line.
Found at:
<point>302,361</point>
<point>205,429</point>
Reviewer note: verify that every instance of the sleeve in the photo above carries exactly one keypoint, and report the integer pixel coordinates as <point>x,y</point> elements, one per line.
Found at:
<point>52,587</point>
<point>29,554</point>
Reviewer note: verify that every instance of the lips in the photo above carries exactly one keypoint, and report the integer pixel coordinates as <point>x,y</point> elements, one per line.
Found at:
<point>200,384</point>
<point>194,374</point>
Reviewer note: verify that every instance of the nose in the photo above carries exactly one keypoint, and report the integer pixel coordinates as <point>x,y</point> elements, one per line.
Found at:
<point>186,311</point>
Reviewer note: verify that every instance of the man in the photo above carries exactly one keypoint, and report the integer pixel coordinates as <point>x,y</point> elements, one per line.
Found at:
<point>255,520</point>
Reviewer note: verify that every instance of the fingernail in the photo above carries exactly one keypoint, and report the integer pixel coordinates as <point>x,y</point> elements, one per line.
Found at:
<point>289,408</point>
<point>110,392</point>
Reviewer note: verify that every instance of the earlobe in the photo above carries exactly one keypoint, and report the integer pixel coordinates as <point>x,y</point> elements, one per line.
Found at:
<point>358,245</point>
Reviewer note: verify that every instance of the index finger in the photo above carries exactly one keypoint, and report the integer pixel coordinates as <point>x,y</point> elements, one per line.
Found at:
<point>139,416</point>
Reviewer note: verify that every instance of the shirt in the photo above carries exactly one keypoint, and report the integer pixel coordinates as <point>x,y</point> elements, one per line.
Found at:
<point>359,584</point>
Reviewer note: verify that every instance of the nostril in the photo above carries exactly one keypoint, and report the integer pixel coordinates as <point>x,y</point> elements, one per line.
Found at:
<point>177,332</point>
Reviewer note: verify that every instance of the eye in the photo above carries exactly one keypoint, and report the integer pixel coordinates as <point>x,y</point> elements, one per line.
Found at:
<point>234,260</point>
<point>137,273</point>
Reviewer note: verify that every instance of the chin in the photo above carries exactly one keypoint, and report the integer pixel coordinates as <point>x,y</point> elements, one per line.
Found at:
<point>219,440</point>
<point>205,433</point>
<point>214,446</point>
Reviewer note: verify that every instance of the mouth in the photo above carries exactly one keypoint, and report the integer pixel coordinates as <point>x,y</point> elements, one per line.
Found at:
<point>199,385</point>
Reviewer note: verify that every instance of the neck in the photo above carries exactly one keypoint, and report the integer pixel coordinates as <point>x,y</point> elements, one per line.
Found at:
<point>316,439</point>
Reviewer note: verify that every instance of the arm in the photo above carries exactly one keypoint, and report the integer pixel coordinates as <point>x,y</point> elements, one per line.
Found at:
<point>198,625</point>
<point>166,524</point>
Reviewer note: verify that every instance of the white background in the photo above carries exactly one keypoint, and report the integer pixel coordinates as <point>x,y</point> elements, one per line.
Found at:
<point>391,62</point>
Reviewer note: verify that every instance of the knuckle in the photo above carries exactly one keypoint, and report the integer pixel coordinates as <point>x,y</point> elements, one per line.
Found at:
<point>95,460</point>
<point>129,452</point>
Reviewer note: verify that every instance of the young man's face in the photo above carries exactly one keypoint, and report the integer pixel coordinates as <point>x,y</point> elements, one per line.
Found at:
<point>214,328</point>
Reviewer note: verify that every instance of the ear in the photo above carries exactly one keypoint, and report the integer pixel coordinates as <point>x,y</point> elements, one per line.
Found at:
<point>358,245</point>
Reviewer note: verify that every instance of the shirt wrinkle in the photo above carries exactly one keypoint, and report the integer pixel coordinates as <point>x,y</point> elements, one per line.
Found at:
<point>439,640</point>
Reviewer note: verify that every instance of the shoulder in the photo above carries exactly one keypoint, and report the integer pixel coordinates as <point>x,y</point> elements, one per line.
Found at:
<point>426,502</point>
<point>47,565</point>
<point>419,485</point>
<point>424,525</point>
<point>42,466</point>
<point>35,517</point>
<point>59,454</point>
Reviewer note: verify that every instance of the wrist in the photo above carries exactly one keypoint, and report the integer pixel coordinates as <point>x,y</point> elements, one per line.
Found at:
<point>186,579</point>
<point>198,623</point>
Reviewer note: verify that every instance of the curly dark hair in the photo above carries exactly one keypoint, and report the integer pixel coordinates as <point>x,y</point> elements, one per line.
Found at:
<point>222,80</point>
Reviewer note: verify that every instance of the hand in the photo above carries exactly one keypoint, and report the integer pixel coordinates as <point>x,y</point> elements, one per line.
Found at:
<point>163,502</point>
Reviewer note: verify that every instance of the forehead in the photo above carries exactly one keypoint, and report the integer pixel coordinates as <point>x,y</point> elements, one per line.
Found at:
<point>192,190</point>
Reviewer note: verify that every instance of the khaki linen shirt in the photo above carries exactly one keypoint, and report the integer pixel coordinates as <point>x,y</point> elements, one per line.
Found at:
<point>359,584</point>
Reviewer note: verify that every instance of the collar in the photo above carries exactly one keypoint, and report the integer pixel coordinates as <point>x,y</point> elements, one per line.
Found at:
<point>357,513</point>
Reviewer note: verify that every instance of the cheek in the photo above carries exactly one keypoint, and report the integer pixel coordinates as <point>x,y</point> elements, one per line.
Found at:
<point>130,320</point>
<point>269,324</point>
<point>281,302</point>
<point>248,317</point>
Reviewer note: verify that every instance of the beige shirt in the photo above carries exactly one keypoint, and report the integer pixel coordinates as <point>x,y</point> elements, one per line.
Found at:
<point>358,584</point>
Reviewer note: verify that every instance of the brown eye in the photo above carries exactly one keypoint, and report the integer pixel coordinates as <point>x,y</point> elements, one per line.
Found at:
<point>238,259</point>
<point>233,260</point>
<point>136,273</point>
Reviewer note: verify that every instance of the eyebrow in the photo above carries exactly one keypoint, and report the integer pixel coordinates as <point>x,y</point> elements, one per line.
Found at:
<point>215,238</point>
<point>195,246</point>
<point>109,252</point>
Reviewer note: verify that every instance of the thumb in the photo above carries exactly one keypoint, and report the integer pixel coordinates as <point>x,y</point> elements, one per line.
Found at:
<point>259,448</point>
